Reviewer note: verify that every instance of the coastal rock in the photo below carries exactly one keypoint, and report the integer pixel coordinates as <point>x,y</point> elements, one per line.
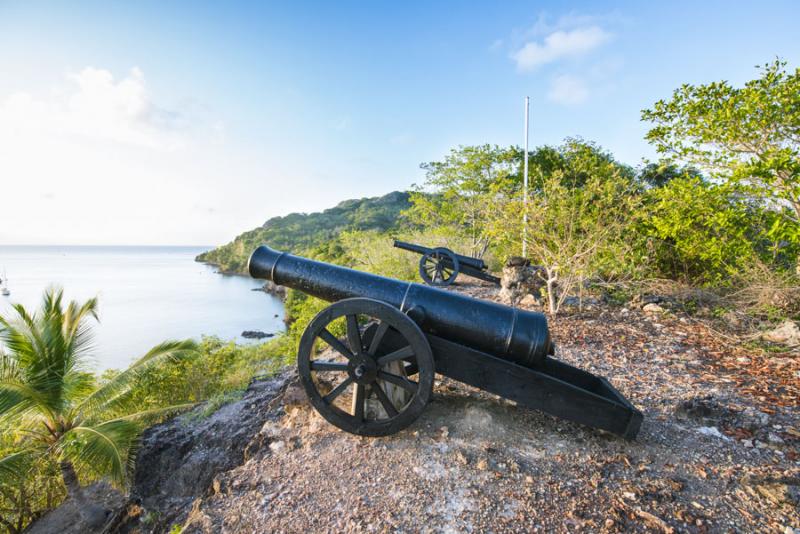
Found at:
<point>180,459</point>
<point>272,288</point>
<point>255,334</point>
<point>67,518</point>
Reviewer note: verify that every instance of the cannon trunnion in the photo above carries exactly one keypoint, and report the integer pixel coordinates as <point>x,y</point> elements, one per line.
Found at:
<point>367,361</point>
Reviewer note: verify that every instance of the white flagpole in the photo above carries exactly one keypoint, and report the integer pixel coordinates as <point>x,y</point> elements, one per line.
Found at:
<point>525,186</point>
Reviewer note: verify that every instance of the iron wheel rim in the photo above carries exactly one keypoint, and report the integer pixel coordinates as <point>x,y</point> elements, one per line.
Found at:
<point>439,267</point>
<point>364,372</point>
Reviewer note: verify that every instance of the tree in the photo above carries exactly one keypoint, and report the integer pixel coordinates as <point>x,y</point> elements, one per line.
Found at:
<point>55,406</point>
<point>702,232</point>
<point>748,136</point>
<point>461,191</point>
<point>580,211</point>
<point>663,172</point>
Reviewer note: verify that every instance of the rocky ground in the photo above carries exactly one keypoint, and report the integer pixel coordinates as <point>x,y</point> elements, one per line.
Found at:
<point>719,450</point>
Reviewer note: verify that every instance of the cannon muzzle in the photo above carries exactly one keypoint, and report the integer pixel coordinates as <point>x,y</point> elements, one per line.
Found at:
<point>508,333</point>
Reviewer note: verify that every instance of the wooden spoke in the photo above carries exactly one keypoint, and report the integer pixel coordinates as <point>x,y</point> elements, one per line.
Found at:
<point>353,335</point>
<point>327,365</point>
<point>401,381</point>
<point>330,397</point>
<point>385,402</point>
<point>377,338</point>
<point>358,402</point>
<point>400,354</point>
<point>368,393</point>
<point>335,344</point>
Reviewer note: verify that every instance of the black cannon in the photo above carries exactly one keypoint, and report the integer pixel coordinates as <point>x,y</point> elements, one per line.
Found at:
<point>440,266</point>
<point>367,361</point>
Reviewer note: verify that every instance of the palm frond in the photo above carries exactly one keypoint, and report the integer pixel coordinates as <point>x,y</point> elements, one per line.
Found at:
<point>105,449</point>
<point>14,467</point>
<point>16,397</point>
<point>77,330</point>
<point>113,392</point>
<point>49,349</point>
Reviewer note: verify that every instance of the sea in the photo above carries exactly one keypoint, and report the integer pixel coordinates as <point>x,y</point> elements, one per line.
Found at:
<point>146,295</point>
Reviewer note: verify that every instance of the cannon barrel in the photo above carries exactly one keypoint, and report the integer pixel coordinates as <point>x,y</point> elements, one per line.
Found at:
<point>508,333</point>
<point>419,249</point>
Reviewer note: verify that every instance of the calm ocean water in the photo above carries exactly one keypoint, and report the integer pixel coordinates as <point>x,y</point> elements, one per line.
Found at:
<point>146,294</point>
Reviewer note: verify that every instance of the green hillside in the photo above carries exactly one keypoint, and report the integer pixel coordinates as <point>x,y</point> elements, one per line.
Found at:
<point>310,232</point>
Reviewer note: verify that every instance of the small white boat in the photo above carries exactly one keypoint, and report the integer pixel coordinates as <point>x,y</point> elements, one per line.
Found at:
<point>4,285</point>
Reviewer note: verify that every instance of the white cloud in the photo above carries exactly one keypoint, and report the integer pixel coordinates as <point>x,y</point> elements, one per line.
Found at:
<point>558,45</point>
<point>92,104</point>
<point>568,90</point>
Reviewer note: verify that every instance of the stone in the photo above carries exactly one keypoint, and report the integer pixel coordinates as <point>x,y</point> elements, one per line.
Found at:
<point>461,458</point>
<point>652,308</point>
<point>712,431</point>
<point>520,280</point>
<point>255,334</point>
<point>518,261</point>
<point>752,419</point>
<point>294,395</point>
<point>788,333</point>
<point>707,411</point>
<point>774,438</point>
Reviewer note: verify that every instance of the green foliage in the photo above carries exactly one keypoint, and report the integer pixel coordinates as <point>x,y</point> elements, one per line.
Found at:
<point>702,231</point>
<point>747,136</point>
<point>217,370</point>
<point>461,192</point>
<point>310,234</point>
<point>374,252</point>
<point>55,410</point>
<point>661,173</point>
<point>580,220</point>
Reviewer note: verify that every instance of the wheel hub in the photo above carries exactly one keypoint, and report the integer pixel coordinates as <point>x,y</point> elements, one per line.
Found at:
<point>363,369</point>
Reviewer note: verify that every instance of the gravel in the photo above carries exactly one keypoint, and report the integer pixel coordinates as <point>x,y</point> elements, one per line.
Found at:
<point>718,450</point>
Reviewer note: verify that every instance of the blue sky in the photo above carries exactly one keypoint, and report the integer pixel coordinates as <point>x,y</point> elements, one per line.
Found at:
<point>187,123</point>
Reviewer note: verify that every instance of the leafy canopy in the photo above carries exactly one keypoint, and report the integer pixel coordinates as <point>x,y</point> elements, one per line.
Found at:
<point>746,135</point>
<point>53,404</point>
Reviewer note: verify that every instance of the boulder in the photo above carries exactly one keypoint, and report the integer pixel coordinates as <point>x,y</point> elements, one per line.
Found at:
<point>652,308</point>
<point>255,334</point>
<point>179,459</point>
<point>788,333</point>
<point>521,281</point>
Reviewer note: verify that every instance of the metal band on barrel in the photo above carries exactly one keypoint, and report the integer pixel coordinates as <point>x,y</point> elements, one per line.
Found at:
<point>405,295</point>
<point>511,330</point>
<point>275,264</point>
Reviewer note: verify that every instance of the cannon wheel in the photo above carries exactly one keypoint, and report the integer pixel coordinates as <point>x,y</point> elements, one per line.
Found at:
<point>368,371</point>
<point>439,267</point>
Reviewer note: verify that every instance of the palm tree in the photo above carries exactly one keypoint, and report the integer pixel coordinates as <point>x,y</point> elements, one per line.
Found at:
<point>55,405</point>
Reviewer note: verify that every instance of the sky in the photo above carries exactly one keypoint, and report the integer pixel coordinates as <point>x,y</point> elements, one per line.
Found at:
<point>186,123</point>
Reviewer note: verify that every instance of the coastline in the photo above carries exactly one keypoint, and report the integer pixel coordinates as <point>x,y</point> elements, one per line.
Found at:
<point>269,287</point>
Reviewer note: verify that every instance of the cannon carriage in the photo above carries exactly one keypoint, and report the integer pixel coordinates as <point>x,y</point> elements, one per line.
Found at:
<point>440,266</point>
<point>367,362</point>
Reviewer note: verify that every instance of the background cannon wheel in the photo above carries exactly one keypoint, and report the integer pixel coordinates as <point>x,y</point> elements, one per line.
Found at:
<point>439,268</point>
<point>378,379</point>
